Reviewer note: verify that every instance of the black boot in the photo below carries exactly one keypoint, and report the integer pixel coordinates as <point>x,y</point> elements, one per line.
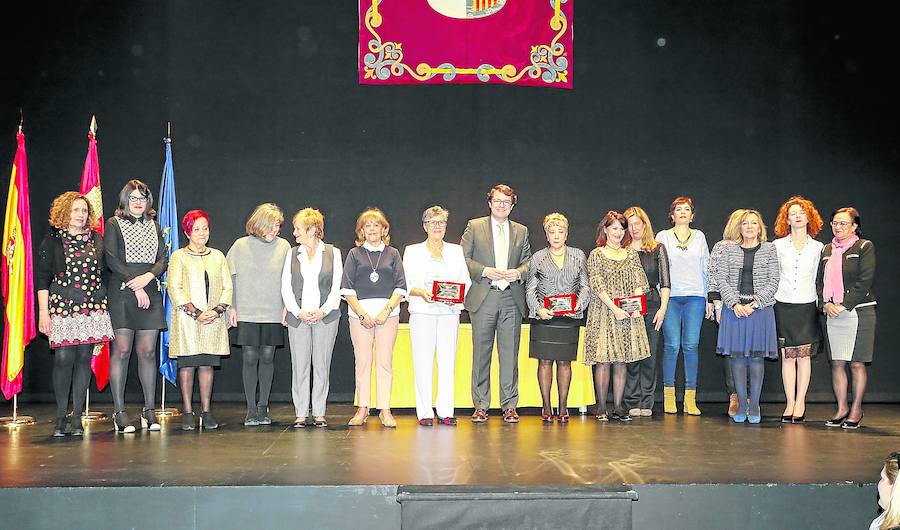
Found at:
<point>60,429</point>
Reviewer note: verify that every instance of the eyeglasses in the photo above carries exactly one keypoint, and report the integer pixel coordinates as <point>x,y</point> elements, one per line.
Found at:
<point>137,198</point>
<point>502,202</point>
<point>436,223</point>
<point>841,224</point>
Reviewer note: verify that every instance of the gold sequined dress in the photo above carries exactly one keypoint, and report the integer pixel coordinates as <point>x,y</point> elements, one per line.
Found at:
<point>607,340</point>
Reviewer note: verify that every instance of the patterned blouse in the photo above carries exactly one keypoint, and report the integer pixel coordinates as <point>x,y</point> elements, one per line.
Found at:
<point>545,278</point>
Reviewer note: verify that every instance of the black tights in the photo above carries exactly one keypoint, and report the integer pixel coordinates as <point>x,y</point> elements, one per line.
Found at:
<point>563,379</point>
<point>144,342</point>
<point>186,382</point>
<point>264,356</point>
<point>66,360</point>
<point>601,384</point>
<point>756,369</point>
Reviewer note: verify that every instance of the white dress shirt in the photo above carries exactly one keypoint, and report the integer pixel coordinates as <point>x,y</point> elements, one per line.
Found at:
<point>797,283</point>
<point>422,270</point>
<point>310,271</point>
<point>501,251</point>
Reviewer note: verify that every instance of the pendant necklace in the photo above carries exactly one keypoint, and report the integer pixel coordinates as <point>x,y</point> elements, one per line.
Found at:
<point>374,276</point>
<point>683,245</point>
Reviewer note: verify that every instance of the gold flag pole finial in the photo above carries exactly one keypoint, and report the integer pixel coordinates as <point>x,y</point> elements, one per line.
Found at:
<point>94,124</point>
<point>168,129</point>
<point>21,119</point>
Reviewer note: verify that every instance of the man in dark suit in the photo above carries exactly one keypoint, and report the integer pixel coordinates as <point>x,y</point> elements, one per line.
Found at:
<point>497,253</point>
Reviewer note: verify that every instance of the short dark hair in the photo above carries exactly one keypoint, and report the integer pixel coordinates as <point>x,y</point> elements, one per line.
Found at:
<point>505,190</point>
<point>143,189</point>
<point>680,200</point>
<point>854,214</point>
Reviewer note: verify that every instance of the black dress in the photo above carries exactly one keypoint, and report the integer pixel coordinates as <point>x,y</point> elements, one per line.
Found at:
<point>135,246</point>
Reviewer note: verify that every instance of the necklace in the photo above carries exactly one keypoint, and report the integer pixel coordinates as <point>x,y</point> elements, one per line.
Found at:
<point>683,245</point>
<point>374,276</point>
<point>563,253</point>
<point>435,248</point>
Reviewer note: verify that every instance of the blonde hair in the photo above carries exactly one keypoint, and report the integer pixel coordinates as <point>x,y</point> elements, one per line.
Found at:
<point>648,240</point>
<point>372,214</point>
<point>311,217</point>
<point>892,513</point>
<point>557,219</point>
<point>263,219</point>
<point>435,211</point>
<point>733,226</point>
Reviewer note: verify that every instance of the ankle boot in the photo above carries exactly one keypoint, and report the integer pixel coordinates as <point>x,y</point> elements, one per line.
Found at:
<point>75,423</point>
<point>732,405</point>
<point>669,400</point>
<point>690,402</point>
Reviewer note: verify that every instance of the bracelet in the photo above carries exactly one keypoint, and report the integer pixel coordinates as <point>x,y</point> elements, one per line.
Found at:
<point>362,317</point>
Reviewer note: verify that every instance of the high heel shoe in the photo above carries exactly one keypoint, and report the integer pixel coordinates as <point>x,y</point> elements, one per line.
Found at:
<point>837,422</point>
<point>390,423</point>
<point>148,420</point>
<point>798,419</point>
<point>360,418</point>
<point>59,430</point>
<point>122,423</point>
<point>187,421</point>
<point>754,419</point>
<point>787,419</point>
<point>207,421</point>
<point>564,418</point>
<point>740,416</point>
<point>852,425</point>
<point>76,428</point>
<point>547,418</point>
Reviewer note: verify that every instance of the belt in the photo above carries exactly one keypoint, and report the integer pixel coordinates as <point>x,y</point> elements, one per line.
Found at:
<point>495,288</point>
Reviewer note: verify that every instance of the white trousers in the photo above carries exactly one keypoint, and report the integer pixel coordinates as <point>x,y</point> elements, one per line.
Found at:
<point>433,336</point>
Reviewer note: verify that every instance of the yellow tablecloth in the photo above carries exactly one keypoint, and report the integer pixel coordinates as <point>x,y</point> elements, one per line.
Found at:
<point>403,394</point>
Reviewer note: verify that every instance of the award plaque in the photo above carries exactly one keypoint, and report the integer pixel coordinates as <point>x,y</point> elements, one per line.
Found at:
<point>561,304</point>
<point>448,292</point>
<point>633,305</point>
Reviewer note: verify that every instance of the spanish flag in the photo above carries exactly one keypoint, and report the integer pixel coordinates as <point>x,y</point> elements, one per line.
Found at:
<point>17,274</point>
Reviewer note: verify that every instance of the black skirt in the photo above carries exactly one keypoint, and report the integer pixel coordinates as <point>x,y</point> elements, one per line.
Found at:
<point>555,339</point>
<point>202,359</point>
<point>798,324</point>
<point>257,334</point>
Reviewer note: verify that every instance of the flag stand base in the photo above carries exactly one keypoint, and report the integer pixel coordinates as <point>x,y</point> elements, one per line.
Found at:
<point>168,412</point>
<point>11,422</point>
<point>93,417</point>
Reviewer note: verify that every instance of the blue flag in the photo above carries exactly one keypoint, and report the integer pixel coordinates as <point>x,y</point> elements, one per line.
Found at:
<point>168,221</point>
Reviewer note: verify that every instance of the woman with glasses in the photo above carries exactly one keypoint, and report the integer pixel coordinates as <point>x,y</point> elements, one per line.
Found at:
<point>844,284</point>
<point>434,324</point>
<point>136,255</point>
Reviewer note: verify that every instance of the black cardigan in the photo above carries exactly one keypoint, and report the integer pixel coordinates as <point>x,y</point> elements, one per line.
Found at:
<point>858,264</point>
<point>52,259</point>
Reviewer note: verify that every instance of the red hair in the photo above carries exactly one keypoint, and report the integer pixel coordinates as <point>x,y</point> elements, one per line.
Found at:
<point>680,200</point>
<point>611,217</point>
<point>187,223</point>
<point>783,227</point>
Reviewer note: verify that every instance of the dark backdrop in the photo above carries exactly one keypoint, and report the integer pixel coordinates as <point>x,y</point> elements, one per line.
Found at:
<point>738,104</point>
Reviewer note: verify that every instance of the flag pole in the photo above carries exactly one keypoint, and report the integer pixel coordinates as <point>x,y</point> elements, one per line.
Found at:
<point>164,411</point>
<point>15,421</point>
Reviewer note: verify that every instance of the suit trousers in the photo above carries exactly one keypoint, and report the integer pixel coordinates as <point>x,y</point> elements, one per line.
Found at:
<point>311,345</point>
<point>640,385</point>
<point>498,316</point>
<point>378,342</point>
<point>433,336</point>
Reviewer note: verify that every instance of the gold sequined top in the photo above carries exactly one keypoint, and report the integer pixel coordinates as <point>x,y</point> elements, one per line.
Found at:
<point>186,282</point>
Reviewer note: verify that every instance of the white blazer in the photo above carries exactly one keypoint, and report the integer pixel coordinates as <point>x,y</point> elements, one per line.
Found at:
<point>415,264</point>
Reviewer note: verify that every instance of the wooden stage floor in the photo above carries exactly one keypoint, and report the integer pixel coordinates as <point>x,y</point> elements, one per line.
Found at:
<point>663,449</point>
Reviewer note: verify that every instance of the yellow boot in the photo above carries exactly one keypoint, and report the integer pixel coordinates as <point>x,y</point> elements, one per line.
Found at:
<point>690,402</point>
<point>669,400</point>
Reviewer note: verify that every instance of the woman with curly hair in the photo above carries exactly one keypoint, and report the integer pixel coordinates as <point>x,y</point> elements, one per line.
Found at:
<point>72,302</point>
<point>796,312</point>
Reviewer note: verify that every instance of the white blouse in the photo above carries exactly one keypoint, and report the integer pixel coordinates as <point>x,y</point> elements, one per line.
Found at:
<point>310,271</point>
<point>797,283</point>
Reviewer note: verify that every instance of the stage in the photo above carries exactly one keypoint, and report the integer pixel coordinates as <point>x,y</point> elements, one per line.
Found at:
<point>685,472</point>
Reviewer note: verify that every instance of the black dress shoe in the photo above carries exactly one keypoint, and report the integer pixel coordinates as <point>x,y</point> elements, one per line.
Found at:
<point>798,419</point>
<point>786,419</point>
<point>75,422</point>
<point>837,422</point>
<point>60,429</point>
<point>852,425</point>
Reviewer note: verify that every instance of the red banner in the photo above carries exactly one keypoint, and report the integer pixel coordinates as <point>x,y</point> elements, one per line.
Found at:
<point>522,42</point>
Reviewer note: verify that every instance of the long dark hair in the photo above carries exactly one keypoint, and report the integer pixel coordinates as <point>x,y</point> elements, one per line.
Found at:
<point>143,189</point>
<point>611,217</point>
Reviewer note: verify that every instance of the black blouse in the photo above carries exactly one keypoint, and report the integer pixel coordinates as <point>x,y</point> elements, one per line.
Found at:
<point>656,266</point>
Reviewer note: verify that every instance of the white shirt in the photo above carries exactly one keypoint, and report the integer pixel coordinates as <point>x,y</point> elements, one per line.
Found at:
<point>310,272</point>
<point>422,270</point>
<point>688,269</point>
<point>501,252</point>
<point>797,283</point>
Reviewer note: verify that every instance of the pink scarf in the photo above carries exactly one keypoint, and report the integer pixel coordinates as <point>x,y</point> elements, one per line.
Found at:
<point>833,288</point>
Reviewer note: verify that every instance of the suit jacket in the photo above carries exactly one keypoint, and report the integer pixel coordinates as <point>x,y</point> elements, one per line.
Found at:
<point>858,267</point>
<point>478,247</point>
<point>415,262</point>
